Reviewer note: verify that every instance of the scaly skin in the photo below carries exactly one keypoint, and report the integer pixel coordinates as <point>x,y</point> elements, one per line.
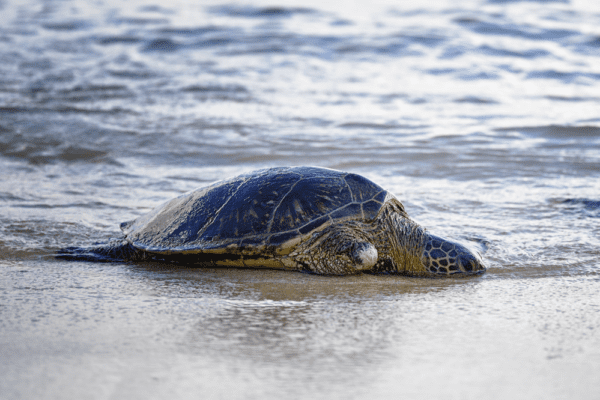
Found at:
<point>402,246</point>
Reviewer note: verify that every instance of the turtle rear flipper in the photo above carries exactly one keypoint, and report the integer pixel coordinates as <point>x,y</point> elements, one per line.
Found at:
<point>115,250</point>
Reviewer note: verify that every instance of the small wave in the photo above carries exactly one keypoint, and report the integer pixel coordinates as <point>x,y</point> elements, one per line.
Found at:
<point>260,12</point>
<point>68,25</point>
<point>49,81</point>
<point>131,74</point>
<point>557,131</point>
<point>368,125</point>
<point>6,197</point>
<point>91,92</point>
<point>215,88</point>
<point>236,41</point>
<point>194,31</point>
<point>463,73</point>
<point>573,98</point>
<point>498,52</point>
<point>162,44</point>
<point>566,77</point>
<point>44,153</point>
<point>579,206</point>
<point>139,21</point>
<point>513,30</point>
<point>237,93</point>
<point>475,100</point>
<point>39,141</point>
<point>93,205</point>
<point>41,64</point>
<point>125,39</point>
<point>61,110</point>
<point>77,153</point>
<point>587,203</point>
<point>594,42</point>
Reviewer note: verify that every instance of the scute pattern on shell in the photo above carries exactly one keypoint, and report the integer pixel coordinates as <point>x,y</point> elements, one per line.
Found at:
<point>266,207</point>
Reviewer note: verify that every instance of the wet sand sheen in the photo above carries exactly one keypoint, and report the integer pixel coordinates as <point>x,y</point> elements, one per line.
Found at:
<point>189,331</point>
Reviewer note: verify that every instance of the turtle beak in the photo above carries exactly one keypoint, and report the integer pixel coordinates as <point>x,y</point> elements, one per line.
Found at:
<point>446,257</point>
<point>471,263</point>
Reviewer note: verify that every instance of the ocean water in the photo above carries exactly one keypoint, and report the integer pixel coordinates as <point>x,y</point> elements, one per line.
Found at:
<point>483,117</point>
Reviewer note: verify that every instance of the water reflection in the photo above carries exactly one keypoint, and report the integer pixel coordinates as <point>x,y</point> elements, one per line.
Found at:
<point>321,325</point>
<point>284,286</point>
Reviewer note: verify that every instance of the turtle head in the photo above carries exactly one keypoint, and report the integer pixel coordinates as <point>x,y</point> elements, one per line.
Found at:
<point>445,257</point>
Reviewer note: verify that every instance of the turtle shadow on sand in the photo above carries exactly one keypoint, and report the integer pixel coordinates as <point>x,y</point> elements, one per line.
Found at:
<point>309,219</point>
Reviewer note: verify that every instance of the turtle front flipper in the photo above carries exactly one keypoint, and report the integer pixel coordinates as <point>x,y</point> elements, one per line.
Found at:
<point>336,251</point>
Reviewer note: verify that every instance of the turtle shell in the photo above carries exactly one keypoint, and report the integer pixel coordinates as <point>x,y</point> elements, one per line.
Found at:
<point>263,208</point>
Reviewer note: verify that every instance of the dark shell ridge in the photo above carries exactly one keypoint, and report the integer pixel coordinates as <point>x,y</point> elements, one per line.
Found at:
<point>266,207</point>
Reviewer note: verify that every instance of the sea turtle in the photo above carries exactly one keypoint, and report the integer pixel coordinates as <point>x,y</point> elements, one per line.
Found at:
<point>295,218</point>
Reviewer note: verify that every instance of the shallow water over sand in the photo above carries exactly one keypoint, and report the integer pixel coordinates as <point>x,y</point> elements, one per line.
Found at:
<point>482,117</point>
